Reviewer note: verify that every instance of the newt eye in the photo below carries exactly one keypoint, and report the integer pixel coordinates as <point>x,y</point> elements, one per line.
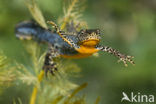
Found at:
<point>98,31</point>
<point>82,32</point>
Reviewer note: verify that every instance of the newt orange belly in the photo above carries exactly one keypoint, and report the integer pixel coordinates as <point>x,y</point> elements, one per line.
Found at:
<point>82,52</point>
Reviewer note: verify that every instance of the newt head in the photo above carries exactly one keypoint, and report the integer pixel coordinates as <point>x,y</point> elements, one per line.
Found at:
<point>88,39</point>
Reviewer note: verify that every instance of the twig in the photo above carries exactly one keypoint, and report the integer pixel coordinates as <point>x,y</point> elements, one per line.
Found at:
<point>35,89</point>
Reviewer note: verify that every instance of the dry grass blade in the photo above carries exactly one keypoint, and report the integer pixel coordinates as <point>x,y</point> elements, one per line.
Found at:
<point>18,101</point>
<point>75,92</point>
<point>36,13</point>
<point>7,75</point>
<point>26,76</point>
<point>73,12</point>
<point>57,100</point>
<point>2,61</point>
<point>66,17</point>
<point>97,100</point>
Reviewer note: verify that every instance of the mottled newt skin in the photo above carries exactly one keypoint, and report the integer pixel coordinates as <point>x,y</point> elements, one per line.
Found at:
<point>31,30</point>
<point>77,45</point>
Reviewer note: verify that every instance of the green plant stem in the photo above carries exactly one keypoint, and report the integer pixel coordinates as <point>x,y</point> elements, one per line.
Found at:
<point>35,89</point>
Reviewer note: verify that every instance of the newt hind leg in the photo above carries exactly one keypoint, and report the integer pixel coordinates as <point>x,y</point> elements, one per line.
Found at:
<point>49,64</point>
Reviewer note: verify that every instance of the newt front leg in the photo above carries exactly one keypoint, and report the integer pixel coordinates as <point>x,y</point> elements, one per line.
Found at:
<point>122,57</point>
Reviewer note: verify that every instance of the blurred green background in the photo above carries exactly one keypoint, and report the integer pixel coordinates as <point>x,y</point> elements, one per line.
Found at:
<point>127,25</point>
